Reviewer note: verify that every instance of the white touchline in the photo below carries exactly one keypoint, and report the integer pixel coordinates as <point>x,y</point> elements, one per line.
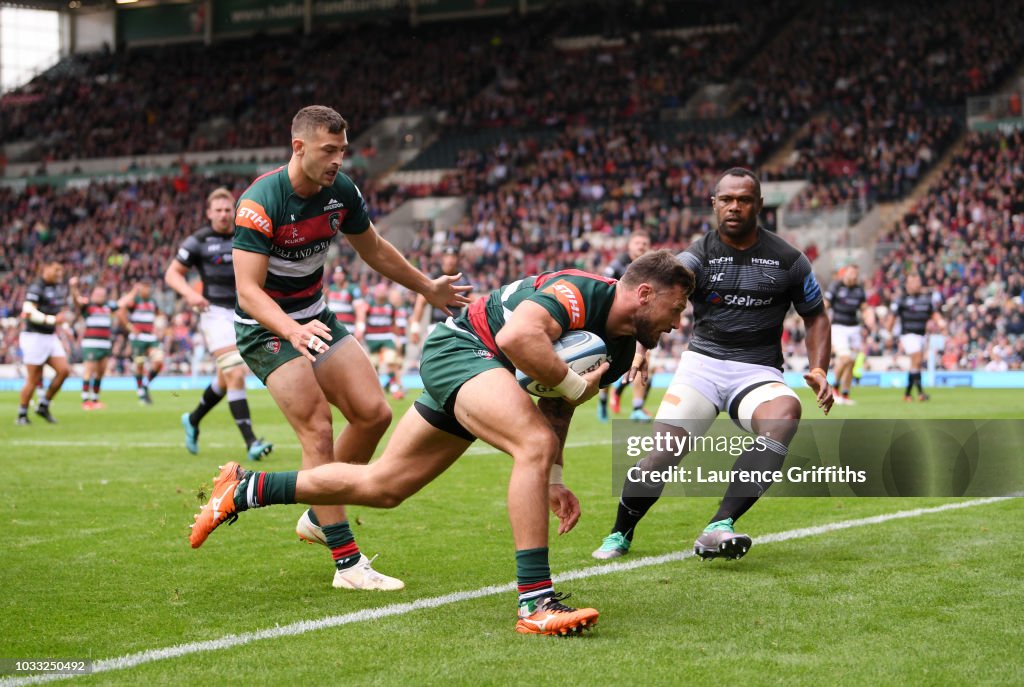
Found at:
<point>481,450</point>
<point>304,626</point>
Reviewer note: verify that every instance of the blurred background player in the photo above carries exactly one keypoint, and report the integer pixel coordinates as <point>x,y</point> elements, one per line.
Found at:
<point>399,299</point>
<point>376,327</point>
<point>342,297</point>
<point>42,312</point>
<point>209,251</point>
<point>638,244</point>
<point>449,267</point>
<point>98,314</point>
<point>138,312</point>
<point>847,300</point>
<point>916,310</point>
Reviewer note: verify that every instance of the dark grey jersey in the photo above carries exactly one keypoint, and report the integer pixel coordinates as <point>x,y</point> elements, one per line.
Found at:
<point>48,299</point>
<point>914,312</point>
<point>742,297</point>
<point>617,267</point>
<point>210,253</point>
<point>845,302</point>
<point>437,315</point>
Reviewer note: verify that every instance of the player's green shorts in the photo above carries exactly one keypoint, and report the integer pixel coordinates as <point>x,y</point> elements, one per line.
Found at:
<point>449,360</point>
<point>376,345</point>
<point>263,351</point>
<point>91,355</point>
<point>140,349</point>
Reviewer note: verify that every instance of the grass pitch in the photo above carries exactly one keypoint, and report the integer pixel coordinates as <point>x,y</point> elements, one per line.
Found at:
<point>96,565</point>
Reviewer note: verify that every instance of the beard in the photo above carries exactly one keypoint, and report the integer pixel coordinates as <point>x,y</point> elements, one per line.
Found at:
<point>743,229</point>
<point>646,332</point>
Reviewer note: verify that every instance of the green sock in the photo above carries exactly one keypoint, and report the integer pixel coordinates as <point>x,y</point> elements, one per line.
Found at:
<point>258,489</point>
<point>533,575</point>
<point>342,544</point>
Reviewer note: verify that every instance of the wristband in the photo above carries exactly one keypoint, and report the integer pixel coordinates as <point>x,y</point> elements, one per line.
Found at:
<point>414,328</point>
<point>556,475</point>
<point>572,385</point>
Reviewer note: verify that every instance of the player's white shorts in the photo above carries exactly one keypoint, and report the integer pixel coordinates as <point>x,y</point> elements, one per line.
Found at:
<point>845,339</point>
<point>724,385</point>
<point>912,343</point>
<point>218,327</point>
<point>37,348</point>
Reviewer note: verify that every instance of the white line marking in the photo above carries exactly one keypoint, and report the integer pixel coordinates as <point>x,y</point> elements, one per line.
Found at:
<point>479,450</point>
<point>304,626</point>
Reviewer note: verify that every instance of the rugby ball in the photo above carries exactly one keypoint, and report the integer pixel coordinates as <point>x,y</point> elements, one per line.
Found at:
<point>582,351</point>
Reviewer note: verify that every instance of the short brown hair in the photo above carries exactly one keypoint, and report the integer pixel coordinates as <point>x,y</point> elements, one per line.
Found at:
<point>314,117</point>
<point>661,269</point>
<point>221,192</point>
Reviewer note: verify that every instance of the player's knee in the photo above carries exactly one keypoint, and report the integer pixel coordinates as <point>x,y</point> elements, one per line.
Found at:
<point>539,451</point>
<point>372,417</point>
<point>234,378</point>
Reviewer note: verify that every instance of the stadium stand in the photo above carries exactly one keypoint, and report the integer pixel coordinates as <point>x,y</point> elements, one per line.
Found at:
<point>561,151</point>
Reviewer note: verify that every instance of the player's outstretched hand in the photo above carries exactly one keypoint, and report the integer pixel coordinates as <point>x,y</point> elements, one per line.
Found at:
<point>445,292</point>
<point>565,506</point>
<point>310,339</point>
<point>818,382</point>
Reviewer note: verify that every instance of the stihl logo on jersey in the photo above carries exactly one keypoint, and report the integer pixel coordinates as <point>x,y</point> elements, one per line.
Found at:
<point>572,300</point>
<point>746,301</point>
<point>253,216</point>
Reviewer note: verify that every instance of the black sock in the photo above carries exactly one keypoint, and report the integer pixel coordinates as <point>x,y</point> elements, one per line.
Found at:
<point>621,386</point>
<point>917,382</point>
<point>602,399</point>
<point>44,403</point>
<point>152,374</point>
<point>240,411</point>
<point>740,496</point>
<point>637,498</point>
<point>211,397</point>
<point>910,384</point>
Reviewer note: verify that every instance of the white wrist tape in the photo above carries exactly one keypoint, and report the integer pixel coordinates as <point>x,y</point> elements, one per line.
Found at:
<point>556,475</point>
<point>572,385</point>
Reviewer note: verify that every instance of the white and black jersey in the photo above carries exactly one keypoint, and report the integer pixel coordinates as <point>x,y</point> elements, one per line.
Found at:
<point>846,302</point>
<point>48,299</point>
<point>617,267</point>
<point>914,312</point>
<point>210,253</point>
<point>742,297</point>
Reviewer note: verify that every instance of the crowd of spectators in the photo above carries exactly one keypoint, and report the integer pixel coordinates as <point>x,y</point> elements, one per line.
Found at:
<point>607,167</point>
<point>966,236</point>
<point>873,84</point>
